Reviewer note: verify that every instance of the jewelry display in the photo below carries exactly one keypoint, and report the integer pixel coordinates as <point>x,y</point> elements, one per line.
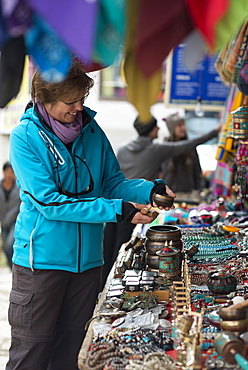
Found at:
<point>199,286</point>
<point>99,353</point>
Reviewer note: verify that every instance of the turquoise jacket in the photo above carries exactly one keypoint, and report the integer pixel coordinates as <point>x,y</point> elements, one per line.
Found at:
<point>54,230</point>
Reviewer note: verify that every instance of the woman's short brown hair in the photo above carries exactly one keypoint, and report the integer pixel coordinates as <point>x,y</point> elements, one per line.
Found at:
<point>76,82</point>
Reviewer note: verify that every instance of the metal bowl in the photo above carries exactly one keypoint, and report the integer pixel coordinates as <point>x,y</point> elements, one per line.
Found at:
<point>232,314</point>
<point>161,233</point>
<point>162,200</point>
<point>237,326</point>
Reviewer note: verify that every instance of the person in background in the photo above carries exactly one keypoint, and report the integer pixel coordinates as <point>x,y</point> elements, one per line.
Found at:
<point>9,208</point>
<point>142,158</point>
<point>182,172</point>
<point>70,185</point>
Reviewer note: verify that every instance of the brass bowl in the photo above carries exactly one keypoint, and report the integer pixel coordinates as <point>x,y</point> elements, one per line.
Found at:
<point>238,326</point>
<point>232,314</point>
<point>161,233</point>
<point>152,261</point>
<point>162,200</point>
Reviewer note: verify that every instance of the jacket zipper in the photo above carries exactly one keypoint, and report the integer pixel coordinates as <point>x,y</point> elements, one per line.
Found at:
<point>79,229</point>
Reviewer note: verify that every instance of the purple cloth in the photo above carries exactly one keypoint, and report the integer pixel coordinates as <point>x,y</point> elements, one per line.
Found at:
<point>74,22</point>
<point>17,15</point>
<point>67,132</point>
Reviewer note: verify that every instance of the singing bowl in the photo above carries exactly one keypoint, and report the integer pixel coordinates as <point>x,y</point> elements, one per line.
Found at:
<point>232,314</point>
<point>161,233</point>
<point>239,326</point>
<point>162,200</point>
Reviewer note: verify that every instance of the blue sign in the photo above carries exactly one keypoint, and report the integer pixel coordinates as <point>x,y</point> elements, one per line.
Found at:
<point>205,83</point>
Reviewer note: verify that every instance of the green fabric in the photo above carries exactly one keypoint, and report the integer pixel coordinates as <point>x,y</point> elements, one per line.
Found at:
<point>111,26</point>
<point>234,18</point>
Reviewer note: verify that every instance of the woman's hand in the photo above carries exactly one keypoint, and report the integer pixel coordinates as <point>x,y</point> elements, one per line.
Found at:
<point>140,218</point>
<point>165,191</point>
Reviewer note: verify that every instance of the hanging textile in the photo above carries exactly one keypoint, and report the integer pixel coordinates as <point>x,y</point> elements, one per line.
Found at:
<point>110,31</point>
<point>142,92</point>
<point>11,69</point>
<point>206,14</point>
<point>238,45</point>
<point>226,146</point>
<point>49,53</point>
<point>231,21</point>
<point>17,16</point>
<point>161,25</point>
<point>74,22</point>
<point>223,180</point>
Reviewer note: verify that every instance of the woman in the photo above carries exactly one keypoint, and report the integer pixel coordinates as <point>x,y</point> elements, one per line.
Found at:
<point>182,173</point>
<point>70,184</point>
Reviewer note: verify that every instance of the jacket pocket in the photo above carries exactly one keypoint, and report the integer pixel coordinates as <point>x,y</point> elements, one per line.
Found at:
<point>20,309</point>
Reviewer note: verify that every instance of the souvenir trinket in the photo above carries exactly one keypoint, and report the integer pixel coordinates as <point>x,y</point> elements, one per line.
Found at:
<point>226,344</point>
<point>236,326</point>
<point>221,282</point>
<point>161,233</point>
<point>232,313</point>
<point>162,200</point>
<point>169,262</point>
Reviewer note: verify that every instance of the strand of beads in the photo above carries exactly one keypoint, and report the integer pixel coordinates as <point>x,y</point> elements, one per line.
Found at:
<point>99,354</point>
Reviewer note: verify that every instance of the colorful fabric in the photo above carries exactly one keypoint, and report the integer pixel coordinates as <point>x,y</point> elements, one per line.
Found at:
<point>48,51</point>
<point>110,31</point>
<point>233,19</point>
<point>142,91</point>
<point>220,65</point>
<point>161,25</point>
<point>223,179</point>
<point>226,146</point>
<point>74,22</point>
<point>206,14</point>
<point>17,15</point>
<point>235,53</point>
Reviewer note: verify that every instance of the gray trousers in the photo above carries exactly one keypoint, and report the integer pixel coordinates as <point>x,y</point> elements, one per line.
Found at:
<point>48,311</point>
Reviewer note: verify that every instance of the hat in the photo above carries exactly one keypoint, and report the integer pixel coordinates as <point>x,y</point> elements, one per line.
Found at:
<point>6,165</point>
<point>144,128</point>
<point>172,120</point>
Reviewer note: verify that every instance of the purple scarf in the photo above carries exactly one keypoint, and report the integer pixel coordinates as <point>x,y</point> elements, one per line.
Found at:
<point>67,132</point>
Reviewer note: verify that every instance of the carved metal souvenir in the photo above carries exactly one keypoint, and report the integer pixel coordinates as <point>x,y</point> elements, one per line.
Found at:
<point>169,262</point>
<point>221,282</point>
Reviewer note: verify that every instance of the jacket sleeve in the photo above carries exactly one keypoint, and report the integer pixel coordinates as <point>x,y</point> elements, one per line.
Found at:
<point>39,190</point>
<point>174,148</point>
<point>117,186</point>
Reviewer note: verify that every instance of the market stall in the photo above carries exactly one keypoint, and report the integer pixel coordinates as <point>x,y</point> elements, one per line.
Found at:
<point>167,298</point>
